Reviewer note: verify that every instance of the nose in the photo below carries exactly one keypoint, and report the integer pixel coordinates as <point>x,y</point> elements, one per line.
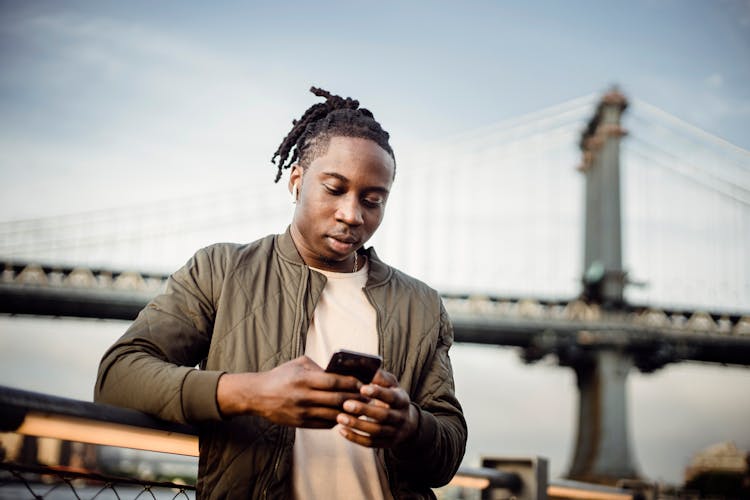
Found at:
<point>349,211</point>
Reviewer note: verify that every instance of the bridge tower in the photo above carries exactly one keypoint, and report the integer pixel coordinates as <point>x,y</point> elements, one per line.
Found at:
<point>602,452</point>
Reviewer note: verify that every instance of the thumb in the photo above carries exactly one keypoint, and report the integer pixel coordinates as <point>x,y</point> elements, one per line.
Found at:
<point>385,379</point>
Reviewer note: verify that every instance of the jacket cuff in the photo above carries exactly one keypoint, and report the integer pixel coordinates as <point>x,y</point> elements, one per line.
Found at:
<point>199,396</point>
<point>423,438</point>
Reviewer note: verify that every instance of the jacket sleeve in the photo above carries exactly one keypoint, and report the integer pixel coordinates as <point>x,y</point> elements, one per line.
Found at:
<point>432,456</point>
<point>152,367</point>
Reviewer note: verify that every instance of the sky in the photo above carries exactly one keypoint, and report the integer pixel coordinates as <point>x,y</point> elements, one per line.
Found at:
<point>107,103</point>
<point>110,104</point>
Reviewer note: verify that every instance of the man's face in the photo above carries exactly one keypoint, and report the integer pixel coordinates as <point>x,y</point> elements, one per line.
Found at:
<point>342,196</point>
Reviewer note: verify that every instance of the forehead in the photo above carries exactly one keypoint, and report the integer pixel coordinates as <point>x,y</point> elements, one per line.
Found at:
<point>354,158</point>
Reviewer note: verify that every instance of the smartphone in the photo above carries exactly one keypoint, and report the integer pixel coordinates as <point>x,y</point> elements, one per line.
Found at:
<point>357,364</point>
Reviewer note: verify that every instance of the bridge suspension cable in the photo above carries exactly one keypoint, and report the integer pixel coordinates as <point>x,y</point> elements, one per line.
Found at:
<point>496,209</point>
<point>687,196</point>
<point>657,156</point>
<point>690,129</point>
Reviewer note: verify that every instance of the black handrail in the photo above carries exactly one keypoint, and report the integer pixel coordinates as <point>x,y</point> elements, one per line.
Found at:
<point>16,404</point>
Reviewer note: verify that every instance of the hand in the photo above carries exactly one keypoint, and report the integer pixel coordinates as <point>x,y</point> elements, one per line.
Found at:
<point>390,418</point>
<point>297,393</point>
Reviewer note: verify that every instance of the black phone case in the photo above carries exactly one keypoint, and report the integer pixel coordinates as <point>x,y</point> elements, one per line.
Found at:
<point>357,364</point>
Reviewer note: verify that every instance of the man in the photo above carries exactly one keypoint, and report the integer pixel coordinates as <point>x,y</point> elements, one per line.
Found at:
<point>262,319</point>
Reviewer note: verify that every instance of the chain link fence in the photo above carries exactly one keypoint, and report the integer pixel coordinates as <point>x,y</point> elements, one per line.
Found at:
<point>19,481</point>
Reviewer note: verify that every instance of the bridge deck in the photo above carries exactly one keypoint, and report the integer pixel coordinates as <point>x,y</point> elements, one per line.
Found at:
<point>568,329</point>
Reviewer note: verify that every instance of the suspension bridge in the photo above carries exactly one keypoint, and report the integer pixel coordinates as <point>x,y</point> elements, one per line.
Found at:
<point>611,239</point>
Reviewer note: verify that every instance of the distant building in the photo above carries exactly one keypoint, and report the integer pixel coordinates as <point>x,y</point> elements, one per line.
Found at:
<point>721,470</point>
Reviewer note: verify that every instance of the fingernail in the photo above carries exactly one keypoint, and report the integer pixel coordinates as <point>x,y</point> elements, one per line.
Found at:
<point>343,419</point>
<point>368,390</point>
<point>350,406</point>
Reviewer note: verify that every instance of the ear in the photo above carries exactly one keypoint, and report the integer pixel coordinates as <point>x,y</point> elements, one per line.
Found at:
<point>295,177</point>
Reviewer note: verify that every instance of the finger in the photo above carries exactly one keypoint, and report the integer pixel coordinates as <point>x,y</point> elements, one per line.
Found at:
<point>381,413</point>
<point>325,381</point>
<point>368,434</point>
<point>318,424</point>
<point>327,399</point>
<point>378,402</point>
<point>377,432</point>
<point>319,417</point>
<point>318,414</point>
<point>393,397</point>
<point>315,377</point>
<point>385,379</point>
<point>363,424</point>
<point>355,437</point>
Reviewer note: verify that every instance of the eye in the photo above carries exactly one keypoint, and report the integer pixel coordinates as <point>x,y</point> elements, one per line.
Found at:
<point>374,201</point>
<point>334,190</point>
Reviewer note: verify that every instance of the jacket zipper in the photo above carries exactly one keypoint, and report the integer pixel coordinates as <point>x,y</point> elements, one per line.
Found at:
<point>277,460</point>
<point>381,455</point>
<point>296,327</point>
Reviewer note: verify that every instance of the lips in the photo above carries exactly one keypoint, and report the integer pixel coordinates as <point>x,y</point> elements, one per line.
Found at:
<point>343,243</point>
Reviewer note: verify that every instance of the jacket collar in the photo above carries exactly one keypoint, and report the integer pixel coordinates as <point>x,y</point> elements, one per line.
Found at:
<point>287,248</point>
<point>379,272</point>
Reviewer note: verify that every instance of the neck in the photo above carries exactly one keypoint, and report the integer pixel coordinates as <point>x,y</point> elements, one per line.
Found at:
<point>349,264</point>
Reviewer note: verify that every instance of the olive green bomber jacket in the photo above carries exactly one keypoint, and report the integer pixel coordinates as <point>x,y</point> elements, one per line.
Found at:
<point>247,308</point>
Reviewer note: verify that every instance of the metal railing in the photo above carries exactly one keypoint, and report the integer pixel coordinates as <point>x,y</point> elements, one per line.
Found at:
<point>35,415</point>
<point>32,417</point>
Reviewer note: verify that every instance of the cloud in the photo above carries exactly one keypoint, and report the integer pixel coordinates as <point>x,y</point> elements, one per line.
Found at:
<point>715,81</point>
<point>106,101</point>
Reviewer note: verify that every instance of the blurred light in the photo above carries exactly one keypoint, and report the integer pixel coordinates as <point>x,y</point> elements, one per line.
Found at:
<point>478,483</point>
<point>104,433</point>
<point>585,494</point>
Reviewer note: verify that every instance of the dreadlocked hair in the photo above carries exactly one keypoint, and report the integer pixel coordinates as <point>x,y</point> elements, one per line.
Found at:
<point>336,117</point>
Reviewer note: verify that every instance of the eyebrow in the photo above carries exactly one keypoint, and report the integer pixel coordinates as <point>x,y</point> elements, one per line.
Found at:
<point>344,179</point>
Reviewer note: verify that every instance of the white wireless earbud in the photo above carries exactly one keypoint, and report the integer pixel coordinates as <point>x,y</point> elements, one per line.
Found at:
<point>294,194</point>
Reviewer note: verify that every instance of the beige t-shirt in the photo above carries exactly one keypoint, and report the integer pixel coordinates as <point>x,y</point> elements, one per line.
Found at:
<point>326,465</point>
